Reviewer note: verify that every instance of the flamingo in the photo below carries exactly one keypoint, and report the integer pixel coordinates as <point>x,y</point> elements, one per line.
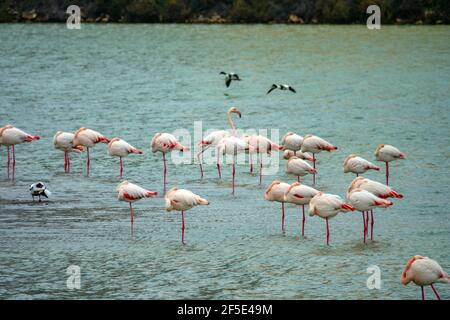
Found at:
<point>358,165</point>
<point>388,153</point>
<point>131,192</point>
<point>364,201</point>
<point>287,154</point>
<point>214,137</point>
<point>120,148</point>
<point>299,167</point>
<point>300,194</point>
<point>233,146</point>
<point>10,136</point>
<point>275,192</point>
<point>378,189</point>
<point>315,145</point>
<point>64,141</point>
<point>292,141</point>
<point>88,138</point>
<point>327,206</point>
<point>182,200</point>
<point>164,143</point>
<point>261,145</point>
<point>424,271</point>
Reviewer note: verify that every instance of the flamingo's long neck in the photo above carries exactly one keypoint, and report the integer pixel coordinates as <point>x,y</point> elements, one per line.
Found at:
<point>230,122</point>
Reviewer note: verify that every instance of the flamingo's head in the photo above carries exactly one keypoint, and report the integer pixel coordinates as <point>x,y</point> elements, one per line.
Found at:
<point>235,110</point>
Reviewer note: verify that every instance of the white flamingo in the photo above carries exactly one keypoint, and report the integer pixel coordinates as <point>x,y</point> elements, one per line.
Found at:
<point>120,148</point>
<point>387,153</point>
<point>88,138</point>
<point>299,167</point>
<point>276,192</point>
<point>292,141</point>
<point>287,154</point>
<point>358,165</point>
<point>64,141</point>
<point>315,145</point>
<point>130,192</point>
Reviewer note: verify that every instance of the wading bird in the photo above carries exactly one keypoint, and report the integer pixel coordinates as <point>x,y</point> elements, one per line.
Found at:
<point>292,141</point>
<point>64,141</point>
<point>88,138</point>
<point>130,192</point>
<point>301,195</point>
<point>315,145</point>
<point>214,137</point>
<point>276,192</point>
<point>301,155</point>
<point>387,153</point>
<point>229,77</point>
<point>327,206</point>
<point>299,167</point>
<point>38,189</point>
<point>120,148</point>
<point>164,143</point>
<point>358,165</point>
<point>9,137</point>
<point>424,271</point>
<point>182,200</point>
<point>281,87</point>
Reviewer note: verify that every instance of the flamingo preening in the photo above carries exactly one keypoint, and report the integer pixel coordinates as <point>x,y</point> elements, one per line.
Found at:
<point>327,206</point>
<point>276,192</point>
<point>182,200</point>
<point>299,167</point>
<point>388,153</point>
<point>88,138</point>
<point>64,141</point>
<point>315,145</point>
<point>164,143</point>
<point>10,136</point>
<point>300,194</point>
<point>424,271</point>
<point>214,137</point>
<point>358,165</point>
<point>120,148</point>
<point>131,192</point>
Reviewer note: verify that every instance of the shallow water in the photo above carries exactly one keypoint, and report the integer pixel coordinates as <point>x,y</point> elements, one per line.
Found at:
<point>356,88</point>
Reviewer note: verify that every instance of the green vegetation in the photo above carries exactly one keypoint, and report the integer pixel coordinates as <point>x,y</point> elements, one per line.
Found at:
<point>231,11</point>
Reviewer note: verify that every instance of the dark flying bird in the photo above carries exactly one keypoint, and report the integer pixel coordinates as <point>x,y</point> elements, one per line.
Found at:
<point>230,76</point>
<point>38,189</point>
<point>281,87</point>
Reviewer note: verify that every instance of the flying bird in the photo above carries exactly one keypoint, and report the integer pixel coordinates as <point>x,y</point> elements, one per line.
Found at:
<point>281,87</point>
<point>230,77</point>
<point>38,189</point>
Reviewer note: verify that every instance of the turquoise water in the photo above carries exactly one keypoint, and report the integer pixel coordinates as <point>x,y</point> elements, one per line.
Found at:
<point>356,88</point>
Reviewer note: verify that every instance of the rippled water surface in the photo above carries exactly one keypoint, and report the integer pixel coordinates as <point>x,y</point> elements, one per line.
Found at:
<point>356,88</point>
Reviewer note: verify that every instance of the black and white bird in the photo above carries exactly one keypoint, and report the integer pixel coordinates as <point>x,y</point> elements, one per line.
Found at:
<point>281,87</point>
<point>229,77</point>
<point>38,189</point>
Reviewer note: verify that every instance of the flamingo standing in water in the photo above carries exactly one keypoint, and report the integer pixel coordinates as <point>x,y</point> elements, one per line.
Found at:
<point>364,201</point>
<point>424,271</point>
<point>233,146</point>
<point>380,190</point>
<point>164,143</point>
<point>131,192</point>
<point>292,141</point>
<point>315,145</point>
<point>327,206</point>
<point>300,194</point>
<point>88,138</point>
<point>299,167</point>
<point>261,145</point>
<point>10,136</point>
<point>275,192</point>
<point>358,165</point>
<point>64,141</point>
<point>120,148</point>
<point>388,153</point>
<point>287,154</point>
<point>214,137</point>
<point>182,200</point>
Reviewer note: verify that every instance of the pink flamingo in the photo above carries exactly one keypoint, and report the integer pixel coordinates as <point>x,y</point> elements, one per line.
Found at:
<point>64,141</point>
<point>378,189</point>
<point>164,143</point>
<point>358,165</point>
<point>388,153</point>
<point>315,145</point>
<point>287,154</point>
<point>120,148</point>
<point>214,137</point>
<point>10,136</point>
<point>88,138</point>
<point>299,194</point>
<point>131,192</point>
<point>182,200</point>
<point>424,271</point>
<point>292,141</point>
<point>275,192</point>
<point>364,201</point>
<point>299,167</point>
<point>327,206</point>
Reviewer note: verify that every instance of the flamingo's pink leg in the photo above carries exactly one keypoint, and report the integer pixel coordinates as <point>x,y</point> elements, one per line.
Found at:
<point>364,226</point>
<point>435,292</point>
<point>182,226</point>
<point>218,166</point>
<point>260,170</point>
<point>199,158</point>
<point>298,178</point>
<point>131,214</point>
<point>68,163</point>
<point>314,166</point>
<point>165,171</point>
<point>65,161</point>
<point>88,161</point>
<point>372,222</point>
<point>303,220</point>
<point>387,173</point>
<point>251,164</point>
<point>328,232</point>
<point>234,172</point>
<point>121,167</point>
<point>9,161</point>
<point>423,293</point>
<point>282,216</point>
<point>13,162</point>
